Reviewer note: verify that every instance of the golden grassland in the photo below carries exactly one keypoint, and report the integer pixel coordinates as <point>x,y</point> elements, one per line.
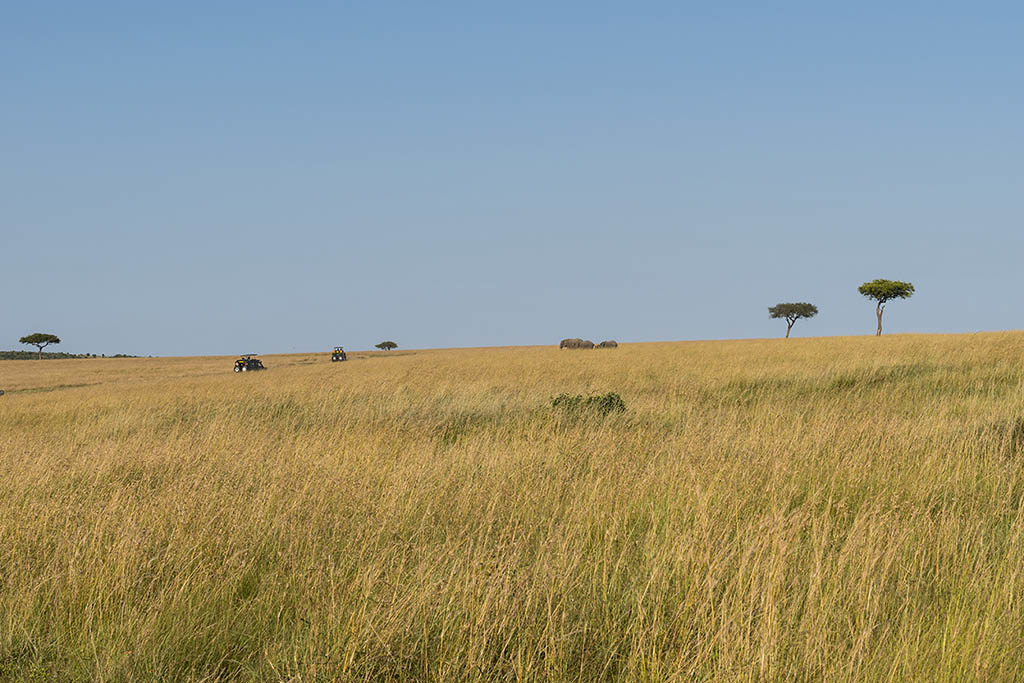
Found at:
<point>842,508</point>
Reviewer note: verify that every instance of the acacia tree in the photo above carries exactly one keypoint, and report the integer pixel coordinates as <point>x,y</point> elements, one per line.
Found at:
<point>792,313</point>
<point>387,345</point>
<point>883,291</point>
<point>40,341</point>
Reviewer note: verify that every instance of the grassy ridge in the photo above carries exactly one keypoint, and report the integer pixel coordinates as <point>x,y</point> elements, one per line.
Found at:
<point>812,509</point>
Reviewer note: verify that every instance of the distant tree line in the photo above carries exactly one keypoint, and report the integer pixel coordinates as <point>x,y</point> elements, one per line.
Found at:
<point>57,355</point>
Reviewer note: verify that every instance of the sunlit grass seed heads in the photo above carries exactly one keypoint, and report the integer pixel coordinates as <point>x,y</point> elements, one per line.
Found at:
<point>810,509</point>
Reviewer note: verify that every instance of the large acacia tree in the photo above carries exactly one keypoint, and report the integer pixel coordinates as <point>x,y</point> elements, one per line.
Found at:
<point>40,341</point>
<point>792,313</point>
<point>884,291</point>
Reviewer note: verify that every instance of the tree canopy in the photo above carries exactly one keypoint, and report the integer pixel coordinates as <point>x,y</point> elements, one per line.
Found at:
<point>792,312</point>
<point>40,340</point>
<point>883,291</point>
<point>886,290</point>
<point>387,345</point>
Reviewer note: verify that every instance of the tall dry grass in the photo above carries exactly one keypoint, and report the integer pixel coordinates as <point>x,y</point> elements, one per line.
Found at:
<point>817,509</point>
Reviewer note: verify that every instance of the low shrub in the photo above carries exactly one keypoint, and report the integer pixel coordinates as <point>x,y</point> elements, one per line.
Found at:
<point>602,404</point>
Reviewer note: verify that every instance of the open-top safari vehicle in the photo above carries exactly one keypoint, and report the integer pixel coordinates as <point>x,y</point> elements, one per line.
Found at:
<point>248,362</point>
<point>338,354</point>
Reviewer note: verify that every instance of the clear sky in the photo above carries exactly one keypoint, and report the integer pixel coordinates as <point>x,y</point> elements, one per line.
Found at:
<point>224,177</point>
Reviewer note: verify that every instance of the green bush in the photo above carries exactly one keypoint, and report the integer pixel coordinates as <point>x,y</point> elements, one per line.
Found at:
<point>603,404</point>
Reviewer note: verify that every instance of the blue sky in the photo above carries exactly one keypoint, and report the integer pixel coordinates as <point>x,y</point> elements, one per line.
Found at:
<point>214,178</point>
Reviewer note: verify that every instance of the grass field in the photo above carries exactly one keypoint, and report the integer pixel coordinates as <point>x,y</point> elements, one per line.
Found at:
<point>843,508</point>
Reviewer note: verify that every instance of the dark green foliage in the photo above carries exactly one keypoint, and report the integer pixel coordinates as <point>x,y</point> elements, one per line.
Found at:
<point>32,355</point>
<point>40,340</point>
<point>792,312</point>
<point>387,345</point>
<point>37,338</point>
<point>886,290</point>
<point>601,404</point>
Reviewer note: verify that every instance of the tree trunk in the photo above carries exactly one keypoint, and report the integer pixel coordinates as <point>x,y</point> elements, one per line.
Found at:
<point>789,326</point>
<point>40,356</point>
<point>878,313</point>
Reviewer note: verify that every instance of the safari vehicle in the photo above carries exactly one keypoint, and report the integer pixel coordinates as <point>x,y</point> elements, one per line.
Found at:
<point>338,355</point>
<point>248,362</point>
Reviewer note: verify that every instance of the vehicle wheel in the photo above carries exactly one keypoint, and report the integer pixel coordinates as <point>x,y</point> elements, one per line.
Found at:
<point>244,368</point>
<point>238,369</point>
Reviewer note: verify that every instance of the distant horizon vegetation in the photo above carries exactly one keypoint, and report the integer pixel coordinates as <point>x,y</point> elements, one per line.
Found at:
<point>59,355</point>
<point>881,291</point>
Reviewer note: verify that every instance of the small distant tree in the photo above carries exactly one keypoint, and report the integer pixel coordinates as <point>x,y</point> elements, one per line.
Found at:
<point>791,313</point>
<point>883,291</point>
<point>387,345</point>
<point>40,341</point>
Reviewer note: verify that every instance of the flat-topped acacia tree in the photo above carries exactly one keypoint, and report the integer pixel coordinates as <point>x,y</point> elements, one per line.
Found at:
<point>883,291</point>
<point>40,341</point>
<point>792,313</point>
<point>387,345</point>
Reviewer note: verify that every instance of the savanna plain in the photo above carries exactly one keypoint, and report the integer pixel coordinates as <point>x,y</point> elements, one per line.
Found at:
<point>810,509</point>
